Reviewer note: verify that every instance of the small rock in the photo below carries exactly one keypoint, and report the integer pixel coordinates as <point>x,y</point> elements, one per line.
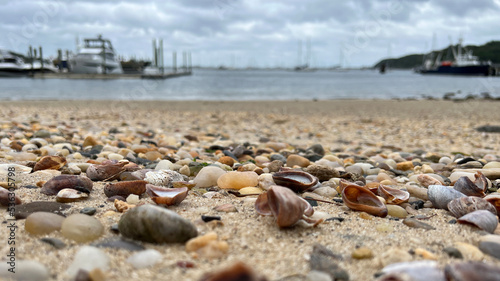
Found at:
<point>25,270</point>
<point>81,228</point>
<point>208,176</point>
<point>153,155</point>
<point>275,166</point>
<point>89,211</point>
<point>56,243</point>
<point>41,223</point>
<point>89,141</point>
<point>146,258</point>
<point>396,211</point>
<point>117,243</point>
<point>490,245</point>
<point>425,254</point>
<point>125,188</point>
<point>414,223</point>
<point>227,160</point>
<point>24,210</point>
<point>238,180</point>
<point>317,148</point>
<point>315,275</point>
<point>297,160</point>
<point>323,173</point>
<point>155,224</point>
<point>324,260</point>
<point>393,255</point>
<point>227,208</point>
<point>207,246</point>
<point>404,166</point>
<point>453,252</point>
<point>362,253</point>
<point>469,252</point>
<point>250,190</point>
<point>88,258</point>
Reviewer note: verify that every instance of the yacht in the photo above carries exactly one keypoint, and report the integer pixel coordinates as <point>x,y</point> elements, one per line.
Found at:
<point>48,66</point>
<point>96,56</point>
<point>11,65</point>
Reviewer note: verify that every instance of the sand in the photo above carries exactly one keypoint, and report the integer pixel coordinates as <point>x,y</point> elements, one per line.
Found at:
<point>347,126</point>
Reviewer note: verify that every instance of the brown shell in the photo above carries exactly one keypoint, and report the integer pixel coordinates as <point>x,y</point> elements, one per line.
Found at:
<point>108,171</point>
<point>469,188</point>
<point>166,196</point>
<point>57,183</point>
<point>68,195</point>
<point>297,181</point>
<point>462,206</point>
<point>494,199</point>
<point>50,163</point>
<point>361,199</point>
<point>125,188</point>
<point>483,219</point>
<point>5,199</point>
<point>471,270</point>
<point>284,205</point>
<point>393,195</point>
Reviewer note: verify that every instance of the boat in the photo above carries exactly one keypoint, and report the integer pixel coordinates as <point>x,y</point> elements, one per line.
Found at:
<point>463,63</point>
<point>11,65</point>
<point>95,57</point>
<point>37,67</point>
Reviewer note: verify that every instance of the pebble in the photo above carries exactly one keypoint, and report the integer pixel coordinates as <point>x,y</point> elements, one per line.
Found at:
<point>68,195</point>
<point>425,254</point>
<point>89,211</point>
<point>88,258</point>
<point>323,173</point>
<point>396,211</point>
<point>118,243</point>
<point>56,243</point>
<point>89,141</point>
<point>24,210</point>
<point>41,223</point>
<point>115,156</point>
<point>250,190</point>
<point>393,255</point>
<point>155,224</point>
<point>362,253</point>
<point>315,275</point>
<point>82,228</point>
<point>326,191</point>
<point>453,252</point>
<point>208,176</point>
<point>275,166</point>
<point>404,166</point>
<point>468,251</point>
<point>146,258</point>
<point>492,165</point>
<point>297,160</point>
<point>25,270</point>
<point>414,223</point>
<point>324,260</point>
<point>125,188</point>
<point>226,208</point>
<point>490,245</point>
<point>50,163</point>
<point>238,180</point>
<point>227,160</point>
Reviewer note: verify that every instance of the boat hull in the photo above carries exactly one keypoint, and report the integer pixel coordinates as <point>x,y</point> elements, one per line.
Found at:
<point>472,70</point>
<point>85,66</point>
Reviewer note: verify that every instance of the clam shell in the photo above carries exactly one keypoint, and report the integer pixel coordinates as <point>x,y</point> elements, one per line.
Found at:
<point>297,181</point>
<point>472,271</point>
<point>55,184</point>
<point>361,199</point>
<point>163,177</point>
<point>462,206</point>
<point>393,195</point>
<point>494,199</point>
<point>5,199</point>
<point>108,171</point>
<point>441,195</point>
<point>125,188</point>
<point>467,187</point>
<point>68,195</point>
<point>50,163</point>
<point>166,196</point>
<point>483,219</point>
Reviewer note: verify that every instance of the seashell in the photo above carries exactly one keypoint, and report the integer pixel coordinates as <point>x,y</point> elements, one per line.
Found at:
<point>494,199</point>
<point>297,181</point>
<point>55,184</point>
<point>469,188</point>
<point>122,206</point>
<point>393,195</point>
<point>481,181</point>
<point>166,196</point>
<point>361,199</point>
<point>285,206</point>
<point>6,168</point>
<point>412,271</point>
<point>50,163</point>
<point>163,177</point>
<point>5,198</point>
<point>237,271</point>
<point>68,195</point>
<point>125,188</point>
<point>471,271</point>
<point>441,195</point>
<point>462,206</point>
<point>107,171</point>
<point>483,219</point>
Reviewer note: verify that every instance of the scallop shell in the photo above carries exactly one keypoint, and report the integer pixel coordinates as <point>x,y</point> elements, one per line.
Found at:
<point>441,195</point>
<point>297,181</point>
<point>166,196</point>
<point>462,206</point>
<point>55,184</point>
<point>393,195</point>
<point>494,199</point>
<point>361,199</point>
<point>125,188</point>
<point>471,271</point>
<point>163,177</point>
<point>483,219</point>
<point>469,188</point>
<point>68,195</point>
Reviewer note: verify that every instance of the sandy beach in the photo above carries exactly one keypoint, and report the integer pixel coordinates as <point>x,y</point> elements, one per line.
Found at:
<point>346,129</point>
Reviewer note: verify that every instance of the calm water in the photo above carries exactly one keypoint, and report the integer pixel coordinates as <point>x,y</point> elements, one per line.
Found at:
<point>254,85</point>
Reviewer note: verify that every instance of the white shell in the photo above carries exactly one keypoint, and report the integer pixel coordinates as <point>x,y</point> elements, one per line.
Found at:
<point>163,177</point>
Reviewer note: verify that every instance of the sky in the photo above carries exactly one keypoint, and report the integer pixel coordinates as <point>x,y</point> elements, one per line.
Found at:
<point>255,33</point>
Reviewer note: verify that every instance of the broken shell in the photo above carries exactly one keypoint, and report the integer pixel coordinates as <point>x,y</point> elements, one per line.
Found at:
<point>125,188</point>
<point>494,199</point>
<point>483,219</point>
<point>361,199</point>
<point>469,188</point>
<point>393,195</point>
<point>462,206</point>
<point>5,198</point>
<point>284,205</point>
<point>55,184</point>
<point>297,181</point>
<point>122,206</point>
<point>441,195</point>
<point>163,177</point>
<point>107,171</point>
<point>68,195</point>
<point>166,196</point>
<point>50,163</point>
<point>471,271</point>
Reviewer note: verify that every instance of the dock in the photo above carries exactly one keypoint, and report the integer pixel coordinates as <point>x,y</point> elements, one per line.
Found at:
<point>68,75</point>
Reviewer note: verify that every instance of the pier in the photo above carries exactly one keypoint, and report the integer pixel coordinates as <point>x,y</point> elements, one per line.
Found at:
<point>69,75</point>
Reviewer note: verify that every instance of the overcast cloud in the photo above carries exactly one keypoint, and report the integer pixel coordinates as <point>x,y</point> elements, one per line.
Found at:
<point>253,32</point>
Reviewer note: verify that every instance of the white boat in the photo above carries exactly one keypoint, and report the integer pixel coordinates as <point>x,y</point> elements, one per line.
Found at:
<point>48,66</point>
<point>96,56</point>
<point>11,65</point>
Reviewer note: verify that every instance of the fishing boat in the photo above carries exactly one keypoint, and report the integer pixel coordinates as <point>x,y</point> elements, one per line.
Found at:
<point>463,63</point>
<point>11,65</point>
<point>96,56</point>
